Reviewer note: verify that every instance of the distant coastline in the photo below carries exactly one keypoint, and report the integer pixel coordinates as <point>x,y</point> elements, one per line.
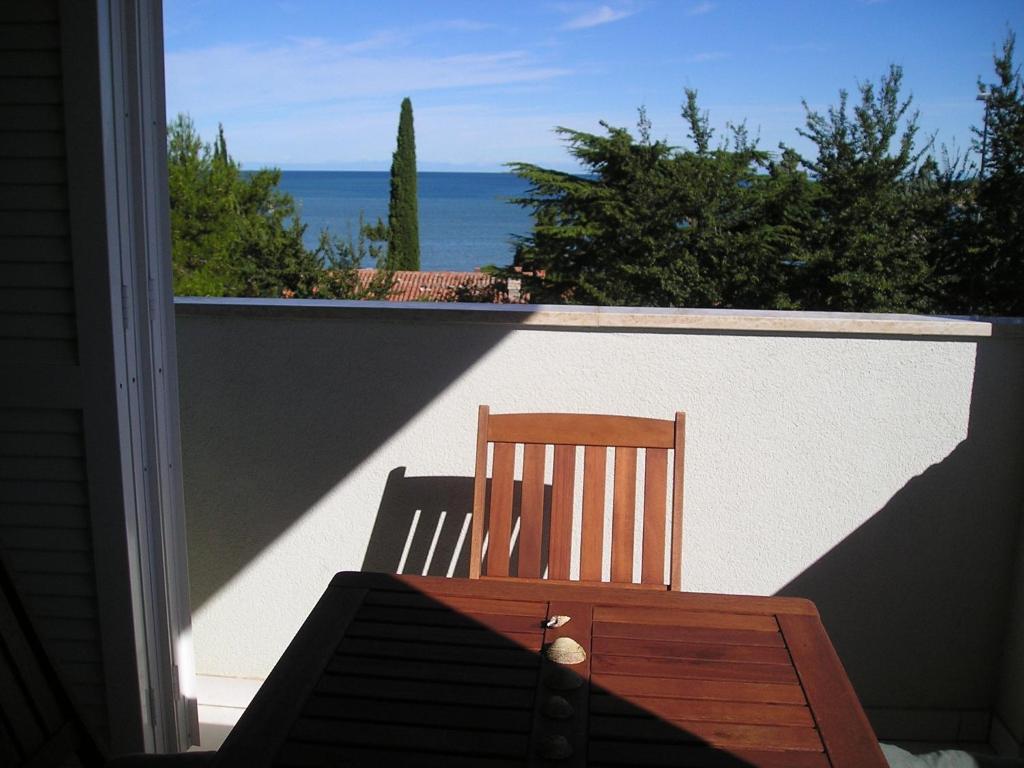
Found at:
<point>466,220</point>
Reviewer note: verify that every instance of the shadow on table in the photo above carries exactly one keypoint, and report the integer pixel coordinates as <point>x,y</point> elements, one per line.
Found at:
<point>417,682</point>
<point>423,526</point>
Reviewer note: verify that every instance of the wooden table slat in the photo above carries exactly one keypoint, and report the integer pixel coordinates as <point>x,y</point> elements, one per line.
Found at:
<point>717,690</point>
<point>533,608</point>
<point>693,669</point>
<point>447,740</point>
<point>432,618</point>
<point>675,755</point>
<point>710,619</point>
<point>427,692</point>
<point>412,650</point>
<point>506,677</point>
<point>359,707</point>
<point>715,711</point>
<point>304,755</point>
<point>726,735</point>
<point>716,636</point>
<point>423,671</point>
<point>454,635</point>
<point>673,649</point>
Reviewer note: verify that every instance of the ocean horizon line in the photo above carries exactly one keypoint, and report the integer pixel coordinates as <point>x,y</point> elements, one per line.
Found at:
<point>431,168</point>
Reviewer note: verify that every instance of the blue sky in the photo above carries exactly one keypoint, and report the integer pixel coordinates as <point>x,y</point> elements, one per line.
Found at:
<point>318,83</point>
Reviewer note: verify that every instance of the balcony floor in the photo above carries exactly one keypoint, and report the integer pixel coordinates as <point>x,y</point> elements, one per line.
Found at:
<point>222,700</point>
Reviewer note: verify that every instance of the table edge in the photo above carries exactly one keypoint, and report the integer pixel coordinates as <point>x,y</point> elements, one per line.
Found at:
<point>542,590</point>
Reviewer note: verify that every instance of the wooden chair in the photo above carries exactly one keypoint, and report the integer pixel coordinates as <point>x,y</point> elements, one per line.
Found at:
<point>38,724</point>
<point>546,515</point>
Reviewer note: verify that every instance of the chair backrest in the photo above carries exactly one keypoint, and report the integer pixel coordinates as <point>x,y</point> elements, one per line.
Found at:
<point>38,725</point>
<point>545,514</point>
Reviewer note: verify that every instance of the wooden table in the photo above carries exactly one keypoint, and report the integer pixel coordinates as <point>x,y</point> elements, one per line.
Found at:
<point>421,671</point>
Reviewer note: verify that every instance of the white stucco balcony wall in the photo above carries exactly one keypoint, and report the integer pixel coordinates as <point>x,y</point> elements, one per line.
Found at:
<point>869,462</point>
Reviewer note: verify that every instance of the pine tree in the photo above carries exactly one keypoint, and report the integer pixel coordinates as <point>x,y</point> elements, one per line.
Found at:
<point>997,262</point>
<point>238,234</point>
<point>866,252</point>
<point>403,215</point>
<point>651,224</point>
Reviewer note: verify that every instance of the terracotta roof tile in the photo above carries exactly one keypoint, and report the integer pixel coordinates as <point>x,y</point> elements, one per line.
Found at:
<point>432,286</point>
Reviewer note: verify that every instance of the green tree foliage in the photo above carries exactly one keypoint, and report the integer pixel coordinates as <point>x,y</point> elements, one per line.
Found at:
<point>339,276</point>
<point>237,234</point>
<point>403,230</point>
<point>871,222</point>
<point>996,249</point>
<point>651,224</point>
<point>865,251</point>
<point>232,234</point>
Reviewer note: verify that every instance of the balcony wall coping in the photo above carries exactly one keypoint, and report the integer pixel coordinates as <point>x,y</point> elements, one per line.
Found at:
<point>632,319</point>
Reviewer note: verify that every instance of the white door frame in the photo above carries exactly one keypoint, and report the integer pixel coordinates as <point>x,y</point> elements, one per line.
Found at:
<point>120,239</point>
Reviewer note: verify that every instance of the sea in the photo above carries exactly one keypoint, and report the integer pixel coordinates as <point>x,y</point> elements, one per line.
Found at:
<point>466,219</point>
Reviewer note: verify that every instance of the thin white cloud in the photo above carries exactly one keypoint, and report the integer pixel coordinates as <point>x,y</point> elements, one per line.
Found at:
<point>236,78</point>
<point>595,17</point>
<point>700,58</point>
<point>387,38</point>
<point>362,135</point>
<point>701,8</point>
<point>384,39</point>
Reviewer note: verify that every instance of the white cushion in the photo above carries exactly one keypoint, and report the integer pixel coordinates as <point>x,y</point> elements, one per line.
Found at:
<point>947,758</point>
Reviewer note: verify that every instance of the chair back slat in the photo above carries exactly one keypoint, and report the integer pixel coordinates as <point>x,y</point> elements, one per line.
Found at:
<point>675,572</point>
<point>548,533</point>
<point>595,460</point>
<point>652,569</point>
<point>623,514</point>
<point>580,429</point>
<point>563,484</point>
<point>531,514</point>
<point>480,487</point>
<point>502,488</point>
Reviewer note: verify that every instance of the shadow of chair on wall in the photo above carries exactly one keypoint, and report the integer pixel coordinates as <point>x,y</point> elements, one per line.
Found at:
<point>423,526</point>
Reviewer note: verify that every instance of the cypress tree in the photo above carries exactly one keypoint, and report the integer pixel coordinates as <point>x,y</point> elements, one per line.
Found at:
<point>220,147</point>
<point>403,213</point>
